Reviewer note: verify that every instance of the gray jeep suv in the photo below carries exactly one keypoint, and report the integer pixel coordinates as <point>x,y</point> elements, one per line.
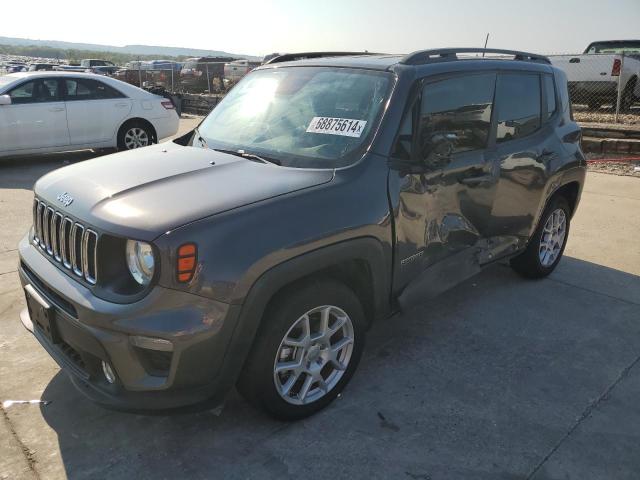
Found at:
<point>323,193</point>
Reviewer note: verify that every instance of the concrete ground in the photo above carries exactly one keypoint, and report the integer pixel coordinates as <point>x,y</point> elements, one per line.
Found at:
<point>499,378</point>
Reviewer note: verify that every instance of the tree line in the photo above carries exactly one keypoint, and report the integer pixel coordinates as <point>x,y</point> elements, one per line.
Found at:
<point>74,56</point>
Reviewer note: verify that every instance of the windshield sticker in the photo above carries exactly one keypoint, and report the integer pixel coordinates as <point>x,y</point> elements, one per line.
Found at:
<point>337,126</point>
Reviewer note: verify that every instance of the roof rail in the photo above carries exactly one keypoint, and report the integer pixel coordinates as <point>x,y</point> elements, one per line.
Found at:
<point>288,57</point>
<point>445,54</point>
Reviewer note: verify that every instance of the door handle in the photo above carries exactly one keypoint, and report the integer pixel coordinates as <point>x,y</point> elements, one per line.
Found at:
<point>56,109</point>
<point>476,181</point>
<point>121,105</point>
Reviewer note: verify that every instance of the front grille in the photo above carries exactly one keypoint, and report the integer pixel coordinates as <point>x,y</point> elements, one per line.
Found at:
<point>66,241</point>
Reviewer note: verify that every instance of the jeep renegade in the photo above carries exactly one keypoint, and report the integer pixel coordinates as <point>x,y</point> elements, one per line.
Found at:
<point>325,192</point>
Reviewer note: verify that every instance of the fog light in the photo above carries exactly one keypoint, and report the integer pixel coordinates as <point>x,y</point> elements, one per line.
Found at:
<point>108,372</point>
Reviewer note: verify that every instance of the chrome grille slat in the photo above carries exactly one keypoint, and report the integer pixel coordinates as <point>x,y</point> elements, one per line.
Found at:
<point>76,241</point>
<point>66,255</point>
<point>56,225</point>
<point>66,241</point>
<point>41,208</point>
<point>48,218</point>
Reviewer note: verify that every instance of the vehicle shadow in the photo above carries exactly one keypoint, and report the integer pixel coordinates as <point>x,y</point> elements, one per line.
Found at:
<point>22,172</point>
<point>480,383</point>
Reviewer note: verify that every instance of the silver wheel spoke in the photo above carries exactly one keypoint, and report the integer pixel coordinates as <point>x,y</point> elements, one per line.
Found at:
<point>338,324</point>
<point>304,390</point>
<point>340,344</point>
<point>286,388</point>
<point>287,366</point>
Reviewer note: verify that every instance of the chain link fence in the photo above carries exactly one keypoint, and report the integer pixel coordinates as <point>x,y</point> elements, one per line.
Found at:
<point>604,88</point>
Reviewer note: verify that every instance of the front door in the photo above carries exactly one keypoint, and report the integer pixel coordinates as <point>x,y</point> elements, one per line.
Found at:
<point>446,196</point>
<point>36,118</point>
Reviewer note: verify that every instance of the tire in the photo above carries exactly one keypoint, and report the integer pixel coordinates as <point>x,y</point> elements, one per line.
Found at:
<point>282,394</point>
<point>539,260</point>
<point>628,98</point>
<point>134,135</point>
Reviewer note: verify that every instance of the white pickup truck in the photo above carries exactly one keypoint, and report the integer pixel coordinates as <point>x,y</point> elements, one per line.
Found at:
<point>595,76</point>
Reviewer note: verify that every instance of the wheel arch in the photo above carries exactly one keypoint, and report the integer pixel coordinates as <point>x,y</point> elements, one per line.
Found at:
<point>570,191</point>
<point>140,120</point>
<point>358,263</point>
<point>346,261</point>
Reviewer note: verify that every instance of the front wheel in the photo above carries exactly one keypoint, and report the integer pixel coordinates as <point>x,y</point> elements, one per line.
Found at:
<point>306,351</point>
<point>547,244</point>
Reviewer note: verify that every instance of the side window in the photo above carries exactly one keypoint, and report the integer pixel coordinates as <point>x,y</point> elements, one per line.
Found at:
<point>455,115</point>
<point>83,89</point>
<point>104,91</point>
<point>79,90</point>
<point>35,91</point>
<point>550,92</point>
<point>518,99</point>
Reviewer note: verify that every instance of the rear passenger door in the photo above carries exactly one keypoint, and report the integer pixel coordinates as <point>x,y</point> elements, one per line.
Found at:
<point>95,110</point>
<point>526,146</point>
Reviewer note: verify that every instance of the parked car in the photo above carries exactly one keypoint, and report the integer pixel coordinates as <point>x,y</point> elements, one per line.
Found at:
<point>70,68</point>
<point>43,112</point>
<point>595,76</point>
<point>319,196</point>
<point>42,67</point>
<point>198,74</point>
<point>161,65</point>
<point>133,76</point>
<point>105,67</point>
<point>14,67</point>
<point>234,71</point>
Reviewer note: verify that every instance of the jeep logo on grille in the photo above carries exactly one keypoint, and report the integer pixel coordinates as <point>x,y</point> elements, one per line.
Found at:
<point>65,199</point>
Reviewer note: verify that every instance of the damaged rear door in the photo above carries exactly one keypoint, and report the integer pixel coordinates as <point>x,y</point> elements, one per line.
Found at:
<point>446,197</point>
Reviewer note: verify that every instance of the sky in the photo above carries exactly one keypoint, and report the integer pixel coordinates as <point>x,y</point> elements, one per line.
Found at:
<point>258,27</point>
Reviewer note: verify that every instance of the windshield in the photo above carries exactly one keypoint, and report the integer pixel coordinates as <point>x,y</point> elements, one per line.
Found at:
<point>614,47</point>
<point>314,117</point>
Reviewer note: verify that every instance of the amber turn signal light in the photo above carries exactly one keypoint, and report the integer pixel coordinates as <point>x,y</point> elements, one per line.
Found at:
<point>187,256</point>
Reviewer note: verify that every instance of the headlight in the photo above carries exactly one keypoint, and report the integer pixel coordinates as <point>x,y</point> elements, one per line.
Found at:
<point>140,261</point>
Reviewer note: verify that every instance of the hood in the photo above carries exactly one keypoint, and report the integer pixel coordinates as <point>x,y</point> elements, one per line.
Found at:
<point>143,193</point>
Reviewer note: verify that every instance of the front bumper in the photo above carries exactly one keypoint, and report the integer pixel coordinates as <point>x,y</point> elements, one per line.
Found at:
<point>90,330</point>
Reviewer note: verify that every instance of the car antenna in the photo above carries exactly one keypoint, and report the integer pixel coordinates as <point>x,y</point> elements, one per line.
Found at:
<point>486,40</point>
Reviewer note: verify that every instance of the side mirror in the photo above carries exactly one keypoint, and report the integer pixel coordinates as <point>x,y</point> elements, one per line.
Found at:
<point>441,144</point>
<point>5,100</point>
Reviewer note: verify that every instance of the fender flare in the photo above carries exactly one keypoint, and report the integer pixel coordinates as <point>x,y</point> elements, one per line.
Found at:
<point>249,318</point>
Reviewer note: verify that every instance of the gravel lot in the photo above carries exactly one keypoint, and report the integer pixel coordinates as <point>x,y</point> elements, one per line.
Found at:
<point>499,378</point>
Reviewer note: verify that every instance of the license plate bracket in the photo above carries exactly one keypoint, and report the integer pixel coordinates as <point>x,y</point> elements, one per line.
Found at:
<point>42,314</point>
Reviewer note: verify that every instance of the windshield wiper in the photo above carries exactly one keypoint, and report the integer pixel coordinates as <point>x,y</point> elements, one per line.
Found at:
<point>202,141</point>
<point>249,156</point>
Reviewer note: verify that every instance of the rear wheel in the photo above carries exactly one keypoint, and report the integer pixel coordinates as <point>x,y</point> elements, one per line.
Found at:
<point>628,97</point>
<point>306,351</point>
<point>134,135</point>
<point>547,244</point>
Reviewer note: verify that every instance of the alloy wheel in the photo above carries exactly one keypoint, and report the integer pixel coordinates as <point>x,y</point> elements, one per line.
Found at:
<point>313,355</point>
<point>553,237</point>
<point>136,137</point>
